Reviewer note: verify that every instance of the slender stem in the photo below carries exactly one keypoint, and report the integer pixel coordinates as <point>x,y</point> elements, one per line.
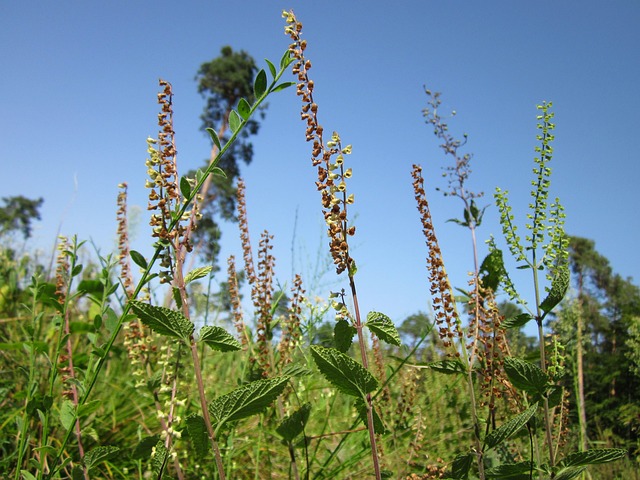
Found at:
<point>365,364</point>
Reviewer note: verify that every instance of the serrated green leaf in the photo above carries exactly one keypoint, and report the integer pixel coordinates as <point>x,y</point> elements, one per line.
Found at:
<point>163,320</point>
<point>197,430</point>
<point>378,425</point>
<point>343,372</point>
<point>282,86</point>
<point>293,370</point>
<point>216,142</point>
<point>185,187</point>
<point>138,259</point>
<point>244,109</point>
<point>260,84</point>
<point>517,321</point>
<point>272,68</point>
<point>218,339</point>
<point>247,400</point>
<point>234,121</point>
<point>511,471</point>
<point>67,414</point>
<point>526,376</point>
<point>559,287</point>
<point>448,367</point>
<point>159,457</point>
<point>569,473</point>
<point>461,465</point>
<point>383,327</point>
<point>88,408</point>
<point>510,428</point>
<point>343,334</point>
<point>293,425</point>
<point>97,455</point>
<point>197,273</point>
<point>593,457</point>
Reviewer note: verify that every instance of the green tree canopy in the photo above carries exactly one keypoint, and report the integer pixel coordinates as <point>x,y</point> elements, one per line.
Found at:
<point>18,214</point>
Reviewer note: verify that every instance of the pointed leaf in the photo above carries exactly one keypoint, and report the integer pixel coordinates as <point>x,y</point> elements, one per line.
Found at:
<point>138,259</point>
<point>282,86</point>
<point>296,370</point>
<point>159,457</point>
<point>214,138</point>
<point>343,372</point>
<point>378,425</point>
<point>286,59</point>
<point>197,273</point>
<point>244,109</point>
<point>234,121</point>
<point>293,425</point>
<point>98,454</point>
<point>185,187</point>
<point>343,334</point>
<point>461,466</point>
<point>593,457</point>
<point>88,408</point>
<point>569,473</point>
<point>383,327</point>
<point>559,287</point>
<point>163,320</point>
<point>448,367</point>
<point>517,321</point>
<point>510,428</point>
<point>197,431</point>
<point>260,84</point>
<point>272,68</point>
<point>67,414</point>
<point>247,400</point>
<point>218,339</point>
<point>219,172</point>
<point>526,376</point>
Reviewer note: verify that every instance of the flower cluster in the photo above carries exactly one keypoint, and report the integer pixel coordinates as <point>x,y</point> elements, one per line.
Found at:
<point>328,156</point>
<point>291,329</point>
<point>234,294</point>
<point>123,241</point>
<point>444,306</point>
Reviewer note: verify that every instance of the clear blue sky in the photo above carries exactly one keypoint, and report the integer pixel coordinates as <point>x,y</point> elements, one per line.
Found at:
<point>79,82</point>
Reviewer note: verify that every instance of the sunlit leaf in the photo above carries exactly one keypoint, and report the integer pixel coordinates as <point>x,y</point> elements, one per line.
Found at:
<point>513,426</point>
<point>218,338</point>
<point>138,259</point>
<point>214,138</point>
<point>260,84</point>
<point>593,457</point>
<point>163,320</point>
<point>97,455</point>
<point>383,327</point>
<point>197,273</point>
<point>526,376</point>
<point>234,121</point>
<point>293,425</point>
<point>343,334</point>
<point>343,372</point>
<point>244,109</point>
<point>559,287</point>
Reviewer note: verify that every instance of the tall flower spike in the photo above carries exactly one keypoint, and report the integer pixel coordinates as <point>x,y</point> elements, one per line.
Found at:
<point>123,241</point>
<point>328,156</point>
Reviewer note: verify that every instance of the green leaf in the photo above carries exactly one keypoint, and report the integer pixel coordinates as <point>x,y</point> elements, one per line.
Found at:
<point>159,458</point>
<point>343,372</point>
<point>234,121</point>
<point>219,172</point>
<point>163,320</point>
<point>286,59</point>
<point>218,339</point>
<point>260,84</point>
<point>511,471</point>
<point>76,270</point>
<point>88,408</point>
<point>510,428</point>
<point>67,414</point>
<point>197,430</point>
<point>526,376</point>
<point>448,367</point>
<point>272,68</point>
<point>244,109</point>
<point>216,140</point>
<point>97,455</point>
<point>144,447</point>
<point>293,425</point>
<point>296,370</point>
<point>247,400</point>
<point>461,466</point>
<point>559,287</point>
<point>185,187</point>
<point>138,259</point>
<point>569,473</point>
<point>282,86</point>
<point>378,424</point>
<point>383,327</point>
<point>26,475</point>
<point>197,273</point>
<point>593,457</point>
<point>517,321</point>
<point>343,334</point>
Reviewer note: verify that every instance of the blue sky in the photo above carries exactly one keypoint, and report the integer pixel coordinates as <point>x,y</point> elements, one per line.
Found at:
<point>79,82</point>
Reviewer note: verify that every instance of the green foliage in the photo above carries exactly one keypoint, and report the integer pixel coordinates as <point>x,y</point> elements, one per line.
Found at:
<point>18,214</point>
<point>383,327</point>
<point>343,372</point>
<point>163,320</point>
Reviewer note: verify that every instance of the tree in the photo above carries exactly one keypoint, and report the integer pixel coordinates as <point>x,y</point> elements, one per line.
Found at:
<point>223,82</point>
<point>18,213</point>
